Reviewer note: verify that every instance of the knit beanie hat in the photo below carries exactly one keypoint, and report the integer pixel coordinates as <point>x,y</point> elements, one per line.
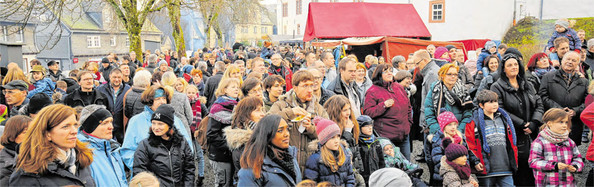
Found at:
<point>389,177</point>
<point>453,150</point>
<point>164,114</point>
<point>104,60</point>
<point>364,120</point>
<point>401,75</point>
<point>37,102</point>
<point>385,142</point>
<point>489,45</point>
<point>162,62</point>
<point>91,116</point>
<point>326,129</point>
<point>446,118</point>
<point>514,51</point>
<point>563,23</point>
<point>440,51</point>
<point>450,47</point>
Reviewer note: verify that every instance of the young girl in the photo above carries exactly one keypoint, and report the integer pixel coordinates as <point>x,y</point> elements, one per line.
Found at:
<point>332,161</point>
<point>553,156</point>
<point>455,169</point>
<point>449,129</point>
<point>198,111</point>
<point>42,84</point>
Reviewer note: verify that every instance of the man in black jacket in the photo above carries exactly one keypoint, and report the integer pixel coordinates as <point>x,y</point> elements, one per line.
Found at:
<point>114,92</point>
<point>213,83</point>
<point>86,94</point>
<point>345,84</point>
<point>54,72</point>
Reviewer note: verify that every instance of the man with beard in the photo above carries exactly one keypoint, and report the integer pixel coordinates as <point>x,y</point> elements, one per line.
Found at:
<point>114,91</point>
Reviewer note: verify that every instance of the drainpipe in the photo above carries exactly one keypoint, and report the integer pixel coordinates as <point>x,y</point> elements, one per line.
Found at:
<point>541,8</point>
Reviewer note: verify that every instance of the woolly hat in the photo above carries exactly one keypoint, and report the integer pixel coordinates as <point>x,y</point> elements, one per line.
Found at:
<point>164,114</point>
<point>37,102</point>
<point>385,142</point>
<point>188,69</point>
<point>450,47</point>
<point>389,177</point>
<point>105,60</point>
<point>563,23</point>
<point>162,62</point>
<point>326,129</point>
<point>401,75</point>
<point>453,150</point>
<point>513,50</point>
<point>91,116</point>
<point>440,51</point>
<point>446,118</point>
<point>489,45</point>
<point>364,120</point>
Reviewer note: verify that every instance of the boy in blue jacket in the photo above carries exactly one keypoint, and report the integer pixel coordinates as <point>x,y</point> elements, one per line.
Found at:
<point>41,83</point>
<point>562,30</point>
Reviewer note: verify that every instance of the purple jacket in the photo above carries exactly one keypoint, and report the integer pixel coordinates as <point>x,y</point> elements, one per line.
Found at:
<point>393,122</point>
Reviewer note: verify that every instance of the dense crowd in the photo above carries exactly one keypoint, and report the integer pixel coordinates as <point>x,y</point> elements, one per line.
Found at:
<point>287,116</point>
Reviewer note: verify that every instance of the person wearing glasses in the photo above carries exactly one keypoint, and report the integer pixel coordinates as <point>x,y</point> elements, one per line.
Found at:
<point>86,94</point>
<point>15,93</point>
<point>298,106</point>
<point>319,91</point>
<point>278,68</point>
<point>345,85</point>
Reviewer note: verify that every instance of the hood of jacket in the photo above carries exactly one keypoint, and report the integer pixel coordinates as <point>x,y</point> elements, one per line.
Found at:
<point>236,137</point>
<point>97,143</point>
<point>445,167</point>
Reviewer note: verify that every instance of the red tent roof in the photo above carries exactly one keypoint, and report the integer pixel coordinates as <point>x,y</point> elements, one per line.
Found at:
<point>343,20</point>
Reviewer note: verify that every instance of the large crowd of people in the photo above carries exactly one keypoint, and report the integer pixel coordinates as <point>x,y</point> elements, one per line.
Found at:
<point>287,116</point>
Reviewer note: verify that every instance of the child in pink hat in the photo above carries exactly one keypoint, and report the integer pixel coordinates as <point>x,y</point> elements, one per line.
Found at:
<point>448,125</point>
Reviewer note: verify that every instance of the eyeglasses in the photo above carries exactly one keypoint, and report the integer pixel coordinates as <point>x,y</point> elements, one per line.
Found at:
<point>9,92</point>
<point>451,74</point>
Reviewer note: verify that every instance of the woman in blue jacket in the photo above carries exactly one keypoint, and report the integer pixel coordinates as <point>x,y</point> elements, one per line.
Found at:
<point>107,168</point>
<point>268,160</point>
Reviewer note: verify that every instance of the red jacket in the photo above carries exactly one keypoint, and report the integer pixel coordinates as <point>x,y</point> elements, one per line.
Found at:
<point>588,119</point>
<point>474,142</point>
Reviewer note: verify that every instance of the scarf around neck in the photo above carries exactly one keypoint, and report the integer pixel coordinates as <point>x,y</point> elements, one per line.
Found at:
<point>283,158</point>
<point>456,97</point>
<point>222,109</point>
<point>462,171</point>
<point>368,139</point>
<point>553,137</point>
<point>540,72</point>
<point>67,160</point>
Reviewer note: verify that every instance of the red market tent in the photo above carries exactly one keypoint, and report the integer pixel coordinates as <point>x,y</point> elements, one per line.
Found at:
<point>391,46</point>
<point>344,20</point>
<point>473,44</point>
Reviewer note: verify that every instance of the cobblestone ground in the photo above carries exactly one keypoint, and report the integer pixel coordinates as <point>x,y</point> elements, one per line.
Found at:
<point>417,149</point>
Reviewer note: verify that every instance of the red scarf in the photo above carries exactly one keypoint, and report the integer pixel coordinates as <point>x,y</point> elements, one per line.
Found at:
<point>462,171</point>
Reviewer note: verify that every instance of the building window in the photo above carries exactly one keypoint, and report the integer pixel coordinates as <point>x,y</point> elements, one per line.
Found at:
<point>298,6</point>
<point>298,29</point>
<point>244,29</point>
<point>93,41</point>
<point>285,10</point>
<point>112,41</point>
<point>264,30</point>
<point>437,11</point>
<point>255,30</point>
<point>20,37</point>
<point>127,41</point>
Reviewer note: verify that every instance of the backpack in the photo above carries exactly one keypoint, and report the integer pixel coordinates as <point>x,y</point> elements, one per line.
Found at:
<point>201,133</point>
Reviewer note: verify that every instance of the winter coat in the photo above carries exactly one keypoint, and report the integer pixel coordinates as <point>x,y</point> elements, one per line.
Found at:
<point>173,166</point>
<point>218,120</point>
<point>325,95</point>
<point>316,170</point>
<point>236,140</point>
<point>183,109</point>
<point>45,85</point>
<point>284,72</point>
<point>465,76</point>
<point>54,175</point>
<point>364,86</point>
<point>372,157</point>
<point>107,168</point>
<point>475,141</point>
<point>429,74</point>
<point>337,86</point>
<point>574,41</point>
<point>74,99</point>
<point>211,85</point>
<point>133,104</point>
<point>7,162</point>
<point>462,114</point>
<point>451,178</point>
<point>544,155</point>
<point>523,105</point>
<point>141,123</point>
<point>393,122</point>
<point>54,76</point>
<point>115,107</point>
<point>588,118</point>
<point>555,93</point>
<point>437,152</point>
<point>106,71</point>
<point>271,174</point>
<point>589,58</point>
<point>284,107</point>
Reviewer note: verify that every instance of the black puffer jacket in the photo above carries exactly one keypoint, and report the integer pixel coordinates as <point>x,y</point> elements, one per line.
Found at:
<point>72,85</point>
<point>55,175</point>
<point>7,162</point>
<point>372,156</point>
<point>556,93</point>
<point>133,104</point>
<point>523,105</point>
<point>77,98</point>
<point>172,166</point>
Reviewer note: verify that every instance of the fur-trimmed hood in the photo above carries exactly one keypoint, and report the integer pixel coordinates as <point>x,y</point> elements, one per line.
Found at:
<point>314,145</point>
<point>236,137</point>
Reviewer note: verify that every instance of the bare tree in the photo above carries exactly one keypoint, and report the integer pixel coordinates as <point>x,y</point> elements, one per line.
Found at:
<point>174,10</point>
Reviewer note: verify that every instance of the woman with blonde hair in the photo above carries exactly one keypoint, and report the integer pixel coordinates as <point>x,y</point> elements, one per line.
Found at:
<point>181,84</point>
<point>15,73</point>
<point>233,71</point>
<point>51,154</point>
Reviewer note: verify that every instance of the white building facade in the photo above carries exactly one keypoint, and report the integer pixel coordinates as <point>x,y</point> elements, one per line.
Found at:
<point>449,20</point>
